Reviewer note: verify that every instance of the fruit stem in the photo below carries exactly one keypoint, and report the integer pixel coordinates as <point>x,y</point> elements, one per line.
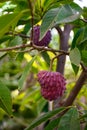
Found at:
<point>52,60</point>
<point>50,105</point>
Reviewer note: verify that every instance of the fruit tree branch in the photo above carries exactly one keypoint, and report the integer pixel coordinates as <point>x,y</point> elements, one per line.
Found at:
<point>34,47</point>
<point>64,37</point>
<point>15,47</point>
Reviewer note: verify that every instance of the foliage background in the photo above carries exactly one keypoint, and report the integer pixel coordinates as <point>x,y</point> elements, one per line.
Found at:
<point>19,66</point>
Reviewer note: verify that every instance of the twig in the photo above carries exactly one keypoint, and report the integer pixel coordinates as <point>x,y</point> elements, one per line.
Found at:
<point>34,47</point>
<point>28,50</point>
<point>84,20</point>
<point>15,47</point>
<point>59,30</point>
<point>50,49</point>
<point>52,60</point>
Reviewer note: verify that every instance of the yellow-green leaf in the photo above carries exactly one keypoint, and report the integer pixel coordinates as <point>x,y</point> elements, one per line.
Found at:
<point>7,21</point>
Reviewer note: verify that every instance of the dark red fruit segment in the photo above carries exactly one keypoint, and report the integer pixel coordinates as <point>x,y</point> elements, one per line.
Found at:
<point>36,35</point>
<point>52,84</point>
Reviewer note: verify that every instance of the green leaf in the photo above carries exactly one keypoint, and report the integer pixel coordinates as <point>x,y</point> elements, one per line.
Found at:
<point>53,124</point>
<point>5,38</point>
<point>48,4</point>
<point>74,42</point>
<point>7,21</point>
<point>83,37</point>
<point>26,72</point>
<point>2,55</point>
<point>75,68</point>
<point>63,14</point>
<point>75,56</point>
<point>41,103</point>
<point>5,99</point>
<point>46,57</point>
<point>84,56</point>
<point>16,41</point>
<point>85,127</point>
<point>84,116</point>
<point>80,37</point>
<point>44,118</point>
<point>70,121</point>
<point>3,0</point>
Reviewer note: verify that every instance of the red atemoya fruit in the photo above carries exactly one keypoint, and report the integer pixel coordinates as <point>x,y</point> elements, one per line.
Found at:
<point>36,35</point>
<point>52,84</point>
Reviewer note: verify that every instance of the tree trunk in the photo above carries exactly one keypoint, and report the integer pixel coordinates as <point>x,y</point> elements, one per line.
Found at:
<point>64,37</point>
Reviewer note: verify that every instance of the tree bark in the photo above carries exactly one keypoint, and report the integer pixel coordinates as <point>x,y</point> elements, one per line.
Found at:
<point>64,37</point>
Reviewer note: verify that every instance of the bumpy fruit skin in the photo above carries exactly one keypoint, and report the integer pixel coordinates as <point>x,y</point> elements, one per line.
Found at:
<point>52,84</point>
<point>36,35</point>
